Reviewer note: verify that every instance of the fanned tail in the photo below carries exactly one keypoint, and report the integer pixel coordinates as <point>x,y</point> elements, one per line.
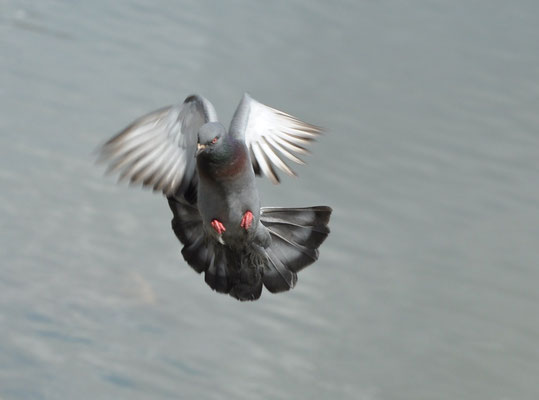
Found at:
<point>296,234</point>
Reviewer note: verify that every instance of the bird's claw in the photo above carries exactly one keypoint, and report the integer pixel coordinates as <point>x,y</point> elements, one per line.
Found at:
<point>218,226</point>
<point>247,220</point>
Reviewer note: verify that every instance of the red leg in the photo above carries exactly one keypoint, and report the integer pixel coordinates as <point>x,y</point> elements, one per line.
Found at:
<point>247,220</point>
<point>218,226</point>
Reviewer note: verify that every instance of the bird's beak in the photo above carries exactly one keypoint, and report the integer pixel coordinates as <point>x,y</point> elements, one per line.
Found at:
<point>200,148</point>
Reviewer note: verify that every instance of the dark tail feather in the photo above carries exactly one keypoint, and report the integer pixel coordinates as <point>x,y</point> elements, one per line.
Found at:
<point>296,234</point>
<point>245,273</point>
<point>278,278</point>
<point>216,275</point>
<point>235,274</point>
<point>187,226</point>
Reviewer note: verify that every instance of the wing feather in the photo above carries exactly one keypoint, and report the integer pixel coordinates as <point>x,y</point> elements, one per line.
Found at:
<point>157,150</point>
<point>271,135</point>
<point>263,163</point>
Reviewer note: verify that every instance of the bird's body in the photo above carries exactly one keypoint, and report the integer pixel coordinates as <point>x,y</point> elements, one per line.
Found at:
<point>217,215</point>
<point>226,190</point>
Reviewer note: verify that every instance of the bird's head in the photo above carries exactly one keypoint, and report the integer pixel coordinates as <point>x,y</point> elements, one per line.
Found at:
<point>210,137</point>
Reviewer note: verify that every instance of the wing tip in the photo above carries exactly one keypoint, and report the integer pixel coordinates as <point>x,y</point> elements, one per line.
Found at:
<point>192,97</point>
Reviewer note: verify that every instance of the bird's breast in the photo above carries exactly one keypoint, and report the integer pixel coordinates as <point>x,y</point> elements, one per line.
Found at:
<point>225,168</point>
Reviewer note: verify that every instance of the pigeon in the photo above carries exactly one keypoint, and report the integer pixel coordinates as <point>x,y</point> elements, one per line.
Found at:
<point>208,177</point>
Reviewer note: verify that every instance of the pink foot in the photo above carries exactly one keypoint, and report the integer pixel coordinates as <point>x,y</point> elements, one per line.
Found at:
<point>218,226</point>
<point>247,220</point>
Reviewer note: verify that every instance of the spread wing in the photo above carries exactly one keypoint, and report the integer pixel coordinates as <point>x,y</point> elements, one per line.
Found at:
<point>271,136</point>
<point>158,149</point>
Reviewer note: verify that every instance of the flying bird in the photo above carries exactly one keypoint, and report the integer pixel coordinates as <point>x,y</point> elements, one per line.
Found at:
<point>208,176</point>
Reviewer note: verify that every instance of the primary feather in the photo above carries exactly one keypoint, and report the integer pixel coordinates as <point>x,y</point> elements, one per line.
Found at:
<point>157,150</point>
<point>271,136</point>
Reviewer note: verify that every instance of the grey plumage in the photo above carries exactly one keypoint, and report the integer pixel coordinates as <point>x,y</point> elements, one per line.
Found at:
<point>208,176</point>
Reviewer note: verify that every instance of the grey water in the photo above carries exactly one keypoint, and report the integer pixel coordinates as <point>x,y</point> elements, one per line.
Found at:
<point>427,287</point>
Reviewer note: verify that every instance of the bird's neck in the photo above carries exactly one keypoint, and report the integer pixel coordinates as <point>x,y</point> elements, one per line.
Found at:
<point>225,163</point>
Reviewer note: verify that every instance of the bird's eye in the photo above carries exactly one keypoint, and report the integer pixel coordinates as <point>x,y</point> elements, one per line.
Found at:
<point>214,140</point>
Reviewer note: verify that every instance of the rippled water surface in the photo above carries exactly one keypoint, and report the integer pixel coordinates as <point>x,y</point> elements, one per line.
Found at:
<point>427,286</point>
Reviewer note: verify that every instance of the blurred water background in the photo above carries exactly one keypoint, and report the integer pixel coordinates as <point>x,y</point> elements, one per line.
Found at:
<point>427,286</point>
